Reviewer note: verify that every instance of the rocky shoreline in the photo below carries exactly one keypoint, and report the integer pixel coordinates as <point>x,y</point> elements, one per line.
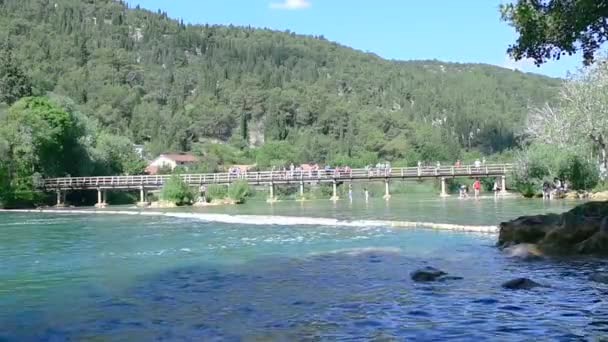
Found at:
<point>580,231</point>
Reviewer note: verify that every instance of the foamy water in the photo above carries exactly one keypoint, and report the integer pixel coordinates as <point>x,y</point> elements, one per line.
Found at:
<point>277,220</point>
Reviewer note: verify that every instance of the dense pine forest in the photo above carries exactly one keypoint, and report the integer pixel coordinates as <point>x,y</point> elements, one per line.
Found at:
<point>233,94</point>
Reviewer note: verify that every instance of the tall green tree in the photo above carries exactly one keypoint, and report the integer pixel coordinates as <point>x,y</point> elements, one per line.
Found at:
<point>39,139</point>
<point>14,83</point>
<point>549,29</point>
<point>580,118</point>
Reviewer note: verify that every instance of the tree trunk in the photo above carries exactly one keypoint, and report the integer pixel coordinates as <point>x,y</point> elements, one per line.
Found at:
<point>601,144</point>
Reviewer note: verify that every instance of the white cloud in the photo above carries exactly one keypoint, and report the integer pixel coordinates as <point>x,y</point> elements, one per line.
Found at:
<point>525,64</point>
<point>290,4</point>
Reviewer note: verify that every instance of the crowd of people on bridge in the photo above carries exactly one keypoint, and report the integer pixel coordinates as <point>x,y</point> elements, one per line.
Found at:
<point>314,170</point>
<point>310,171</point>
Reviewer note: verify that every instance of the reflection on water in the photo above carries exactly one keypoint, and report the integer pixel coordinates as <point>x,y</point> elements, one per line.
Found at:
<point>144,278</point>
<point>421,208</point>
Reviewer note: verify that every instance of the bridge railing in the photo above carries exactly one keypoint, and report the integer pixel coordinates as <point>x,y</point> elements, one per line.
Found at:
<point>278,176</point>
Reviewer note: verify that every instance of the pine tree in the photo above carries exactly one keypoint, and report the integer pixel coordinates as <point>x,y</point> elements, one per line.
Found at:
<point>14,84</point>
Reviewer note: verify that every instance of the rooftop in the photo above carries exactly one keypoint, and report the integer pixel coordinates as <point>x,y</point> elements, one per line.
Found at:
<point>180,157</point>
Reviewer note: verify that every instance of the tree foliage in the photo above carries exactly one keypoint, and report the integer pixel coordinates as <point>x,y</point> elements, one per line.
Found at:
<point>14,83</point>
<point>42,137</point>
<point>171,86</point>
<point>177,191</point>
<point>549,29</point>
<point>239,191</point>
<point>540,163</point>
<point>39,139</point>
<point>580,118</point>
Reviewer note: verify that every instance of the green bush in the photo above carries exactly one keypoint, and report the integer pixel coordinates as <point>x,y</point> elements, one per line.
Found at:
<point>216,192</point>
<point>581,174</point>
<point>238,191</point>
<point>542,162</point>
<point>527,189</point>
<point>177,191</point>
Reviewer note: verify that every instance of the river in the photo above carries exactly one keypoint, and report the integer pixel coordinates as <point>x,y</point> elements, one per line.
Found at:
<point>147,277</point>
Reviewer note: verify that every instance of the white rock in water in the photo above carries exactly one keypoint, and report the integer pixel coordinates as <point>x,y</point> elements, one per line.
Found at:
<point>523,250</point>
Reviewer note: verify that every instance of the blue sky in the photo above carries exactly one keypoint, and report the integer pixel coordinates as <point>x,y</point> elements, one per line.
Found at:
<point>449,30</point>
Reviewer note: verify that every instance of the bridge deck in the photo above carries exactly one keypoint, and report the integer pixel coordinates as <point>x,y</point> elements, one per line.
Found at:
<point>275,177</point>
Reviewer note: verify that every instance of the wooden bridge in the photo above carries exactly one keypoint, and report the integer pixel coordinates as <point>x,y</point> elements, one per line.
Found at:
<point>271,178</point>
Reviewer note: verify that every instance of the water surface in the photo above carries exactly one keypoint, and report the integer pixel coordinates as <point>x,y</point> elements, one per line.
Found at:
<point>94,277</point>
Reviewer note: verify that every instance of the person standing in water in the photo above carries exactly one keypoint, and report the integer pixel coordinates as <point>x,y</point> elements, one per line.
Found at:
<point>350,192</point>
<point>477,187</point>
<point>366,195</point>
<point>496,188</point>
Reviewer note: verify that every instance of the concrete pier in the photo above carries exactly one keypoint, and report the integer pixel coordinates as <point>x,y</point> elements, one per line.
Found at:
<point>101,199</point>
<point>387,192</point>
<point>271,198</point>
<point>143,197</point>
<point>444,192</point>
<point>60,199</point>
<point>335,196</point>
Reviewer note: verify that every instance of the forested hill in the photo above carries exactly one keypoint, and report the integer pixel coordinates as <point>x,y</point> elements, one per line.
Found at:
<point>169,85</point>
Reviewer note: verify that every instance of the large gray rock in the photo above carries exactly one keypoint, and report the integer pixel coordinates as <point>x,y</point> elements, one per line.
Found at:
<point>582,230</point>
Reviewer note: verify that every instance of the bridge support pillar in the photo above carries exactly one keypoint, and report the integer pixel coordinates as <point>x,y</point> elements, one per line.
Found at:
<point>101,199</point>
<point>387,192</point>
<point>60,199</point>
<point>335,192</point>
<point>272,198</point>
<point>503,187</point>
<point>143,202</point>
<point>444,192</point>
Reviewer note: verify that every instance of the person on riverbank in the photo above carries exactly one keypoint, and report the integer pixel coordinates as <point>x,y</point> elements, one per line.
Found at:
<point>202,194</point>
<point>476,187</point>
<point>546,190</point>
<point>557,188</point>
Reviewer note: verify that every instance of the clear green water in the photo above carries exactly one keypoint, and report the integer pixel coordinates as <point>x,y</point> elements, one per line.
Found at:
<point>118,277</point>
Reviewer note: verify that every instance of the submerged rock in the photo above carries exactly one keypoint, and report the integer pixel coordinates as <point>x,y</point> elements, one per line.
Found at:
<point>427,274</point>
<point>600,277</point>
<point>521,284</point>
<point>582,230</point>
<point>525,251</point>
<point>431,274</point>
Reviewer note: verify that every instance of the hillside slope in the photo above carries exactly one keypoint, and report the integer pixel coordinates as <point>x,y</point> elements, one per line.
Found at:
<point>169,85</point>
